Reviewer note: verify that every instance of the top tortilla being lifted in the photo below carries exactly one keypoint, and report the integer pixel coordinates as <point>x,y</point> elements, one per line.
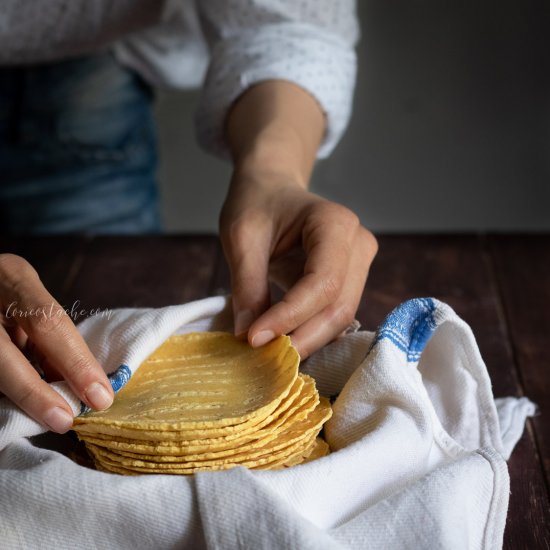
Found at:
<point>200,381</point>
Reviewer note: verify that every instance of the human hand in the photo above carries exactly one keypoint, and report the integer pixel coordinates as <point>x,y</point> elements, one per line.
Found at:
<point>32,321</point>
<point>273,229</point>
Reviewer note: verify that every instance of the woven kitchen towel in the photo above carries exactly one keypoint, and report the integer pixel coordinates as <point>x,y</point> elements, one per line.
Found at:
<point>417,461</point>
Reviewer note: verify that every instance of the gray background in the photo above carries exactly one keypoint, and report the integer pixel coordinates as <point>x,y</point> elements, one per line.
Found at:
<point>450,130</point>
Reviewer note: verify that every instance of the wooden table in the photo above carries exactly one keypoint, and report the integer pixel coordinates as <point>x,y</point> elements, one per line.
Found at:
<point>499,284</point>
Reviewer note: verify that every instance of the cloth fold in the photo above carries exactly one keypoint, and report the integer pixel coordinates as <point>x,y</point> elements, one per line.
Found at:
<point>418,459</point>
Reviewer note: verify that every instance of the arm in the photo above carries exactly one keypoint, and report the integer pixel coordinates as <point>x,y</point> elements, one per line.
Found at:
<point>277,95</point>
<point>272,227</point>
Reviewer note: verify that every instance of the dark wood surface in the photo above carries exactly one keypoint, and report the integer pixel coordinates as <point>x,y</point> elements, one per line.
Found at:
<point>499,284</point>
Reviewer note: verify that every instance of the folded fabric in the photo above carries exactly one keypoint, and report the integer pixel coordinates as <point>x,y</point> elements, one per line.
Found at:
<point>418,455</point>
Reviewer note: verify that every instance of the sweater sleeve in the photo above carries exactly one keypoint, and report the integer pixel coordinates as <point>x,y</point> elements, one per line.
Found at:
<point>307,42</point>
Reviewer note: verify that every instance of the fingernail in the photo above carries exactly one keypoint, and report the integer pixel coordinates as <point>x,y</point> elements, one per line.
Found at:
<point>262,338</point>
<point>98,396</point>
<point>58,420</point>
<point>243,320</point>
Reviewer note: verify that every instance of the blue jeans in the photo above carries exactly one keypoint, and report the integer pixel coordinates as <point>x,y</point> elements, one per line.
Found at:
<point>77,149</point>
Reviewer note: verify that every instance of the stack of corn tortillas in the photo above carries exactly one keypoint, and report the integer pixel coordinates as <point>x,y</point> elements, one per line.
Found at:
<point>208,401</point>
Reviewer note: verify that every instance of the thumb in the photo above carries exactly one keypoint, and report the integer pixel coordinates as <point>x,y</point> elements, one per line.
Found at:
<point>247,247</point>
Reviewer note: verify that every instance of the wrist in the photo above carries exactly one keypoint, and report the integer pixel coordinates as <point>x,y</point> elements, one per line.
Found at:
<point>275,128</point>
<point>273,156</point>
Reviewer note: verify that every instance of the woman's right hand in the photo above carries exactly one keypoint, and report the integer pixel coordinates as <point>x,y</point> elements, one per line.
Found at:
<point>31,319</point>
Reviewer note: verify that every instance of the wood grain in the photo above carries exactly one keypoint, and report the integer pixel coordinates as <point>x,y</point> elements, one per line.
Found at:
<point>55,259</point>
<point>148,271</point>
<point>522,269</point>
<point>499,285</point>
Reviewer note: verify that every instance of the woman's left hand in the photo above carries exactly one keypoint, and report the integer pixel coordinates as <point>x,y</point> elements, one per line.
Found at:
<point>316,250</point>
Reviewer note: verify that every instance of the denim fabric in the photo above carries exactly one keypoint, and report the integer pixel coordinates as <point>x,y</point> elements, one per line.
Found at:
<point>77,149</point>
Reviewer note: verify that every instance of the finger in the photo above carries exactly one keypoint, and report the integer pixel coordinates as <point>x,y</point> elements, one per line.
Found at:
<point>65,351</point>
<point>18,336</point>
<point>38,362</point>
<point>49,372</point>
<point>247,251</point>
<point>16,333</point>
<point>22,384</point>
<point>53,334</point>
<point>328,251</point>
<point>286,270</point>
<point>334,319</point>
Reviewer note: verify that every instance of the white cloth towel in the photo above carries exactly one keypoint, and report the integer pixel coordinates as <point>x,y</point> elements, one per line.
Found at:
<point>417,461</point>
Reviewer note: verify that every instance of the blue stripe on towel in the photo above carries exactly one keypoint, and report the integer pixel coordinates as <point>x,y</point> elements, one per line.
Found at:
<point>410,326</point>
<point>118,379</point>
